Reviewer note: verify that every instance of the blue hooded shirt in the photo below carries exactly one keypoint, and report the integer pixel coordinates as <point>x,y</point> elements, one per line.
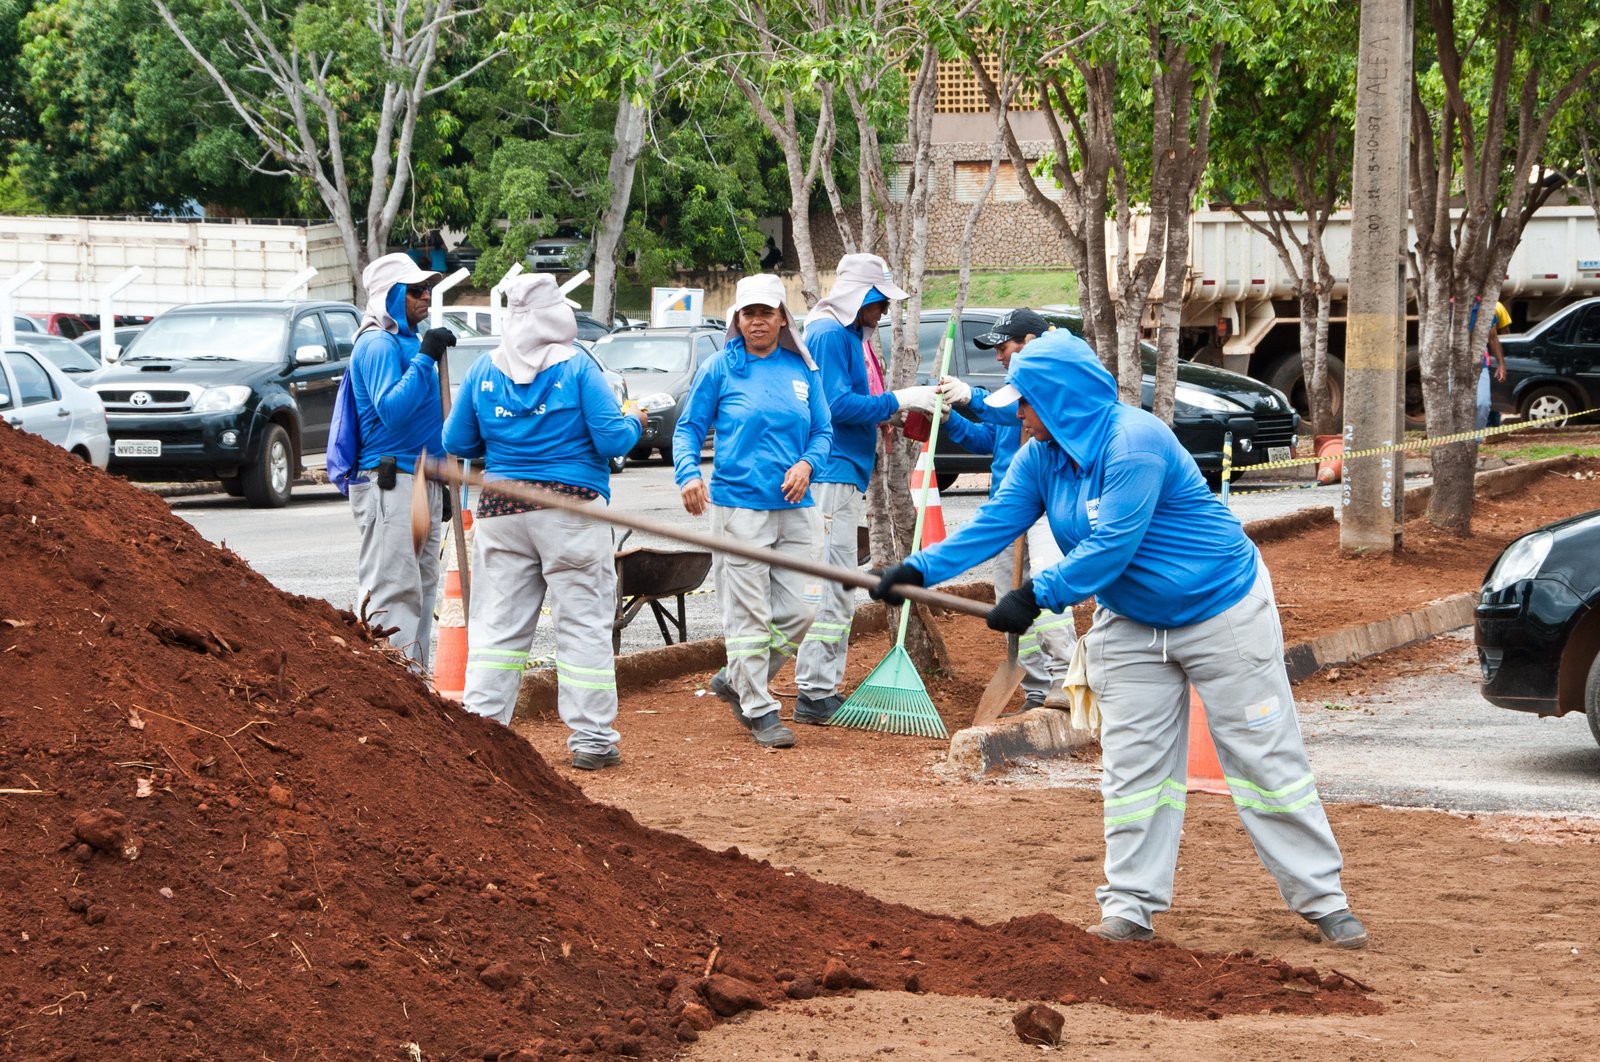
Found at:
<point>395,389</point>
<point>768,413</point>
<point>855,410</point>
<point>1140,531</point>
<point>559,427</point>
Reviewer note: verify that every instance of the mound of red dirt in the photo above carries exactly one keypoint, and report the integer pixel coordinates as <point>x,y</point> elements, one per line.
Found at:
<point>230,825</point>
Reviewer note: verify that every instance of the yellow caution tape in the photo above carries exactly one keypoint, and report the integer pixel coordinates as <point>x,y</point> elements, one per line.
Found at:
<point>1419,444</point>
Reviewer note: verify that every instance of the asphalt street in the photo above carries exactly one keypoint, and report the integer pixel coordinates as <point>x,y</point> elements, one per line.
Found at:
<point>309,546</point>
<point>1427,739</point>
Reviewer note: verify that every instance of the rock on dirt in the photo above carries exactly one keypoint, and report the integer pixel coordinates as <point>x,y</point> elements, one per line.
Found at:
<point>1038,1024</point>
<point>729,995</point>
<point>106,830</point>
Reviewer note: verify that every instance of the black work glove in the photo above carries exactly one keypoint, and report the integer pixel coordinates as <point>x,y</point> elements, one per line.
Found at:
<point>900,573</point>
<point>1015,612</point>
<point>445,511</point>
<point>435,341</point>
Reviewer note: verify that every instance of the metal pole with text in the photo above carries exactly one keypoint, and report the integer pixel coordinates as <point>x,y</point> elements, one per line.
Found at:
<point>1372,512</point>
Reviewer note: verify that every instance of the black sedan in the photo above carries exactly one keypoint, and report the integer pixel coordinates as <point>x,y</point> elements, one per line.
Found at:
<point>1538,622</point>
<point>1553,369</point>
<point>1211,403</point>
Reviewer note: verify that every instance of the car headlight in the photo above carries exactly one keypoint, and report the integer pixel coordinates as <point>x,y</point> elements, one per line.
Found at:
<point>221,399</point>
<point>1521,560</point>
<point>1192,396</point>
<point>657,402</point>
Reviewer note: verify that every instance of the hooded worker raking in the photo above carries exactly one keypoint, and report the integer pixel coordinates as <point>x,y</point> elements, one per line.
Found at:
<point>1161,550</point>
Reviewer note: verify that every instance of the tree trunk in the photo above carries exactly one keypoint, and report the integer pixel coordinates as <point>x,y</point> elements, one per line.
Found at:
<point>1176,267</point>
<point>627,143</point>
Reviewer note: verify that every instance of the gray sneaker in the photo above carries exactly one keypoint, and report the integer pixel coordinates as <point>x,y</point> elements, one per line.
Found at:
<point>1057,697</point>
<point>770,732</point>
<point>1120,930</point>
<point>723,688</point>
<point>1341,929</point>
<point>1034,699</point>
<point>816,712</point>
<point>594,761</point>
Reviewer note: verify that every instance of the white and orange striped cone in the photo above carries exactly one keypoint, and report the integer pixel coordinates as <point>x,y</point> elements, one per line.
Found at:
<point>450,656</point>
<point>933,522</point>
<point>1205,770</point>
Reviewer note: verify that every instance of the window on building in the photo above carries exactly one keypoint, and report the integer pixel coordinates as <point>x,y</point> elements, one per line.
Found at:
<point>972,175</point>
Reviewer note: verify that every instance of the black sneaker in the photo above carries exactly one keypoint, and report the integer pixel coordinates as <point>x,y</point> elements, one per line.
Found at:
<point>1033,700</point>
<point>1120,930</point>
<point>816,712</point>
<point>1341,929</point>
<point>594,761</point>
<point>769,732</point>
<point>723,688</point>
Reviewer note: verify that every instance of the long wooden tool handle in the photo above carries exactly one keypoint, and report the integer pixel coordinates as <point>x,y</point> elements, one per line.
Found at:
<point>448,473</point>
<point>458,527</point>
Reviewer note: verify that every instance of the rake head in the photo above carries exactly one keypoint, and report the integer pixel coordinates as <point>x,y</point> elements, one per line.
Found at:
<point>892,699</point>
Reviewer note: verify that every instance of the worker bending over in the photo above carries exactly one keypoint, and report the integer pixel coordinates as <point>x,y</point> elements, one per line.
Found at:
<point>1184,597</point>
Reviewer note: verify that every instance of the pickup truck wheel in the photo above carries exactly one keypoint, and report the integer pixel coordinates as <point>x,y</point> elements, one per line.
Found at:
<point>1547,402</point>
<point>1289,377</point>
<point>232,487</point>
<point>266,483</point>
<point>1591,698</point>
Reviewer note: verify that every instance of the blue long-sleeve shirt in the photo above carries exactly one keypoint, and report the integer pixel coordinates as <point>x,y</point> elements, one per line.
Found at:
<point>559,427</point>
<point>768,413</point>
<point>1139,529</point>
<point>396,392</point>
<point>855,410</point>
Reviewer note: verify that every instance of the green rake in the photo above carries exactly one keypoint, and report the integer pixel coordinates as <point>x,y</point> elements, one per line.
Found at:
<point>892,698</point>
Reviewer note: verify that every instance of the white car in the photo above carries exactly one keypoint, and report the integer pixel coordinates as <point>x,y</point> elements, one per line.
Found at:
<point>38,397</point>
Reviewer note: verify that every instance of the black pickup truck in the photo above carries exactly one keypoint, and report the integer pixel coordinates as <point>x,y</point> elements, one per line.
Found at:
<point>240,392</point>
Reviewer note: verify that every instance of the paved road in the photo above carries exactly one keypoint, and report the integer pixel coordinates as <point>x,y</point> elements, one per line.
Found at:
<point>309,547</point>
<point>1428,740</point>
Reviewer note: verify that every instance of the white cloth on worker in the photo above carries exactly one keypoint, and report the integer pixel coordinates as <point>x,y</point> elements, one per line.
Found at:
<point>765,610</point>
<point>856,275</point>
<point>820,666</point>
<point>520,560</point>
<point>398,586</point>
<point>766,289</point>
<point>1045,649</point>
<point>537,330</point>
<point>1082,704</point>
<point>1235,662</point>
<point>380,276</point>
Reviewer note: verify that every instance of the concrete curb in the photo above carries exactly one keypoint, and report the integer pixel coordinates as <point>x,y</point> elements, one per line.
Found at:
<point>1305,659</point>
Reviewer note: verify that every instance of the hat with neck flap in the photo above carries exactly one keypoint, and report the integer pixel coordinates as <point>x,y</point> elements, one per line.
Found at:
<point>1062,379</point>
<point>858,275</point>
<point>538,328</point>
<point>386,280</point>
<point>764,289</point>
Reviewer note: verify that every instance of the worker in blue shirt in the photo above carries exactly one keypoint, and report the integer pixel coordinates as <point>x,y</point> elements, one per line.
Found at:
<point>394,388</point>
<point>762,396</point>
<point>1183,597</point>
<point>540,413</point>
<point>1045,649</point>
<point>840,334</point>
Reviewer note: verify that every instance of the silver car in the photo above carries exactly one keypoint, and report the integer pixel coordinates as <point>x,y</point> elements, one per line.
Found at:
<point>38,397</point>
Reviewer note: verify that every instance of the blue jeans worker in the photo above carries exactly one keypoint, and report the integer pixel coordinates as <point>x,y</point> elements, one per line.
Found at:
<point>841,331</point>
<point>394,385</point>
<point>763,396</point>
<point>1183,598</point>
<point>540,413</point>
<point>1494,361</point>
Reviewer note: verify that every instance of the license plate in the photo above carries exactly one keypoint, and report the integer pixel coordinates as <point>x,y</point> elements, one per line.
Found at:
<point>1279,453</point>
<point>138,448</point>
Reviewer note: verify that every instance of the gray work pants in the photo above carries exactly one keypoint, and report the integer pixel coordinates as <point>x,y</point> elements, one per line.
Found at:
<point>516,559</point>
<point>1235,661</point>
<point>765,611</point>
<point>403,583</point>
<point>1045,649</point>
<point>820,666</point>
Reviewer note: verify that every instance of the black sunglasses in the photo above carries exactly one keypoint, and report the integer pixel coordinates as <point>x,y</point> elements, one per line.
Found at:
<point>419,291</point>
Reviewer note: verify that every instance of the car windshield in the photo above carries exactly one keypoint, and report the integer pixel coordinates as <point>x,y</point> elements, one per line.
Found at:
<point>219,336</point>
<point>644,353</point>
<point>64,353</point>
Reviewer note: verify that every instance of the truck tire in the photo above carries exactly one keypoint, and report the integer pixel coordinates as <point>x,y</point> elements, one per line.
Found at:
<point>266,483</point>
<point>1591,698</point>
<point>1289,377</point>
<point>1547,401</point>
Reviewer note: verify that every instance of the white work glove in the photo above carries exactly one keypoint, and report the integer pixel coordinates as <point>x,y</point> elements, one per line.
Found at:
<point>920,398</point>
<point>954,391</point>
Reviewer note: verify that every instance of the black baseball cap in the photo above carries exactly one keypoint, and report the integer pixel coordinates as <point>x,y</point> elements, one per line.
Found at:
<point>1014,324</point>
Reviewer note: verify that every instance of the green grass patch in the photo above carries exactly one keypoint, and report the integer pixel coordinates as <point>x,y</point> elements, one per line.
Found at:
<point>1540,451</point>
<point>1049,287</point>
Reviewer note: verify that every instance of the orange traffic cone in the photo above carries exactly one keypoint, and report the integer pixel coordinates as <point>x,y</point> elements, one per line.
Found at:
<point>933,521</point>
<point>450,657</point>
<point>1205,770</point>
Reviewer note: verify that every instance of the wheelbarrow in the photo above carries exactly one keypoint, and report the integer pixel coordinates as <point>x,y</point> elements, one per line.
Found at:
<point>649,577</point>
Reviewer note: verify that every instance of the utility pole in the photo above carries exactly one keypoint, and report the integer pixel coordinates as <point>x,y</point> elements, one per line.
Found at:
<point>1372,513</point>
